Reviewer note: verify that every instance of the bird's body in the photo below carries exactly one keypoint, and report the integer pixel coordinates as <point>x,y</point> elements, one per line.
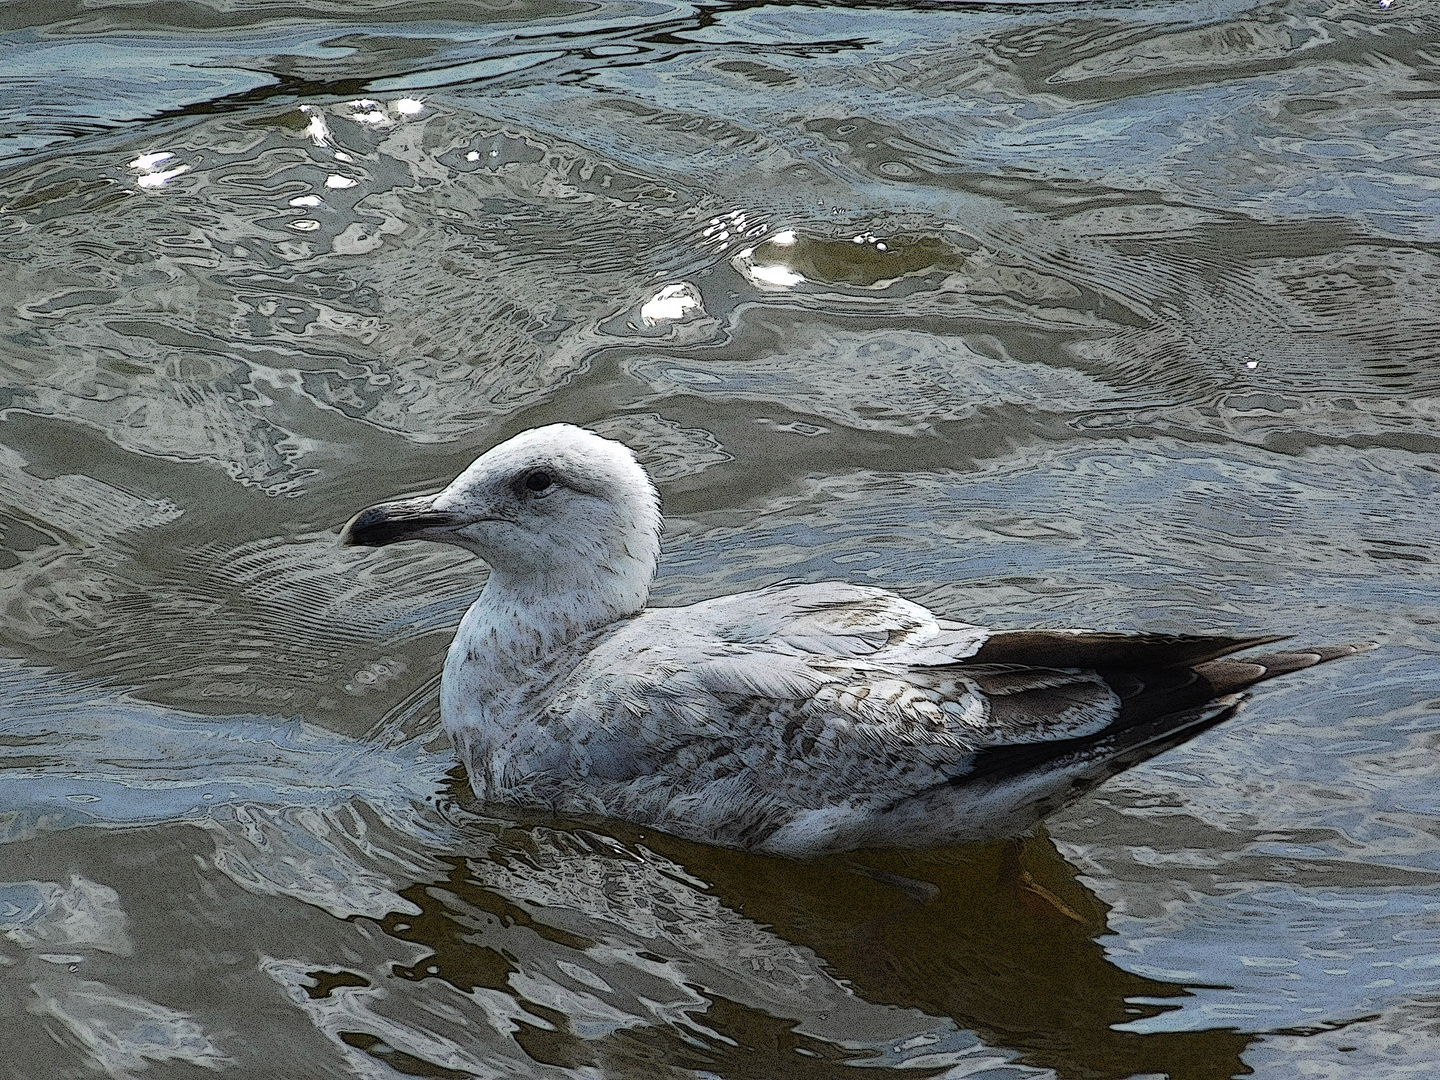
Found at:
<point>797,719</point>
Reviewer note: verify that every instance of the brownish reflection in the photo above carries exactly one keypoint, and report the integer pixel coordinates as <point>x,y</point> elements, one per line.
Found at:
<point>863,262</point>
<point>1000,937</point>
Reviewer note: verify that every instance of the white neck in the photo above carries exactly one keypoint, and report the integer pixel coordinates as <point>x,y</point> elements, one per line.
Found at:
<point>525,613</point>
<point>534,614</point>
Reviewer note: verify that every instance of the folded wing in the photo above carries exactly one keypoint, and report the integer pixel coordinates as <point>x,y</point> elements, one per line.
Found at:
<point>808,716</point>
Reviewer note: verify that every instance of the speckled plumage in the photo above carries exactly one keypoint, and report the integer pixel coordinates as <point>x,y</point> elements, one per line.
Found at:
<point>796,719</point>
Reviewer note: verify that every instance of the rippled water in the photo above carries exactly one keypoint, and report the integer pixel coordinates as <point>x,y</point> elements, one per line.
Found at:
<point>1119,315</point>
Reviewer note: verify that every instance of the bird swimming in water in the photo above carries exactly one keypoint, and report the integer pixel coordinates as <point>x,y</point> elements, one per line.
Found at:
<point>796,719</point>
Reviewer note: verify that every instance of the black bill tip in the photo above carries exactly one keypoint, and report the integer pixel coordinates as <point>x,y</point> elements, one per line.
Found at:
<point>389,523</point>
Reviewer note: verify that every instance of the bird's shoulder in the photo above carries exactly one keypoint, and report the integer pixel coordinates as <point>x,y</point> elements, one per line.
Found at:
<point>824,619</point>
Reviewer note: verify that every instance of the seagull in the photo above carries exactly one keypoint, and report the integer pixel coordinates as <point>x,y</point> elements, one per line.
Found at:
<point>795,720</point>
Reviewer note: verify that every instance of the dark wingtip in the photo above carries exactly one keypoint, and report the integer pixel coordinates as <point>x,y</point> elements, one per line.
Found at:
<point>1109,651</point>
<point>1231,675</point>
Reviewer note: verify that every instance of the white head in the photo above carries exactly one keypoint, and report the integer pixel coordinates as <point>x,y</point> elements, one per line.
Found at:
<point>567,520</point>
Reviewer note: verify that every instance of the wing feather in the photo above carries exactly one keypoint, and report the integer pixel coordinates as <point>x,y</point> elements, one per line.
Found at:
<point>1107,651</point>
<point>829,619</point>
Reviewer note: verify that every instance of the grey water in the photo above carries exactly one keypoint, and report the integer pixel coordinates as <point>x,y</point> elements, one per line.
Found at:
<point>1120,315</point>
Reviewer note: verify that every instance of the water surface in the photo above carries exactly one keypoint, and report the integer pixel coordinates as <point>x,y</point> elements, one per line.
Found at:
<point>1111,315</point>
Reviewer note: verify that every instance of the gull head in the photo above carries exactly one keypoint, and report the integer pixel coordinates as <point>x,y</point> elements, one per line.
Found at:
<point>561,515</point>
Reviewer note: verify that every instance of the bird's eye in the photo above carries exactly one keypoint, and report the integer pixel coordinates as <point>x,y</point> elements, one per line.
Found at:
<point>538,481</point>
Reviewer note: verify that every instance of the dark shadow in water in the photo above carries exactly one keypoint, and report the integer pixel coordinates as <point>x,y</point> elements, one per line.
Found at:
<point>1001,937</point>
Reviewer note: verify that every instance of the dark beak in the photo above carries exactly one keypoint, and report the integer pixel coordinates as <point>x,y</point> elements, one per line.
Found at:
<point>389,523</point>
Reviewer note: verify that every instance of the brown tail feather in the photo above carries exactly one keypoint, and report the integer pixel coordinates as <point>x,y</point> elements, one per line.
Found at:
<point>1230,676</point>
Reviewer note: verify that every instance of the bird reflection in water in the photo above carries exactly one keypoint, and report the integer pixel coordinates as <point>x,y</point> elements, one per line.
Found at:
<point>1000,937</point>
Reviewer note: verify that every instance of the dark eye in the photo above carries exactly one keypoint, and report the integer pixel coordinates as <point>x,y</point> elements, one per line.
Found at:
<point>538,481</point>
